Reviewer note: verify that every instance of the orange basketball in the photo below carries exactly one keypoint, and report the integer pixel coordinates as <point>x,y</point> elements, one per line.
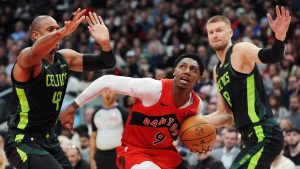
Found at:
<point>196,134</point>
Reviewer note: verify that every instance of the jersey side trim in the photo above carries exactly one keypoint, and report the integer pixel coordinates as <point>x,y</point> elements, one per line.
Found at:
<point>24,108</point>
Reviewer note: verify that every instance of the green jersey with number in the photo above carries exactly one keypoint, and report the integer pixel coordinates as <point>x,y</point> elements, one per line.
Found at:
<point>244,94</point>
<point>36,104</point>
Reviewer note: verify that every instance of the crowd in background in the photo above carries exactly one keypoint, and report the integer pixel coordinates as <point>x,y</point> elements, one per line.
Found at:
<point>147,36</point>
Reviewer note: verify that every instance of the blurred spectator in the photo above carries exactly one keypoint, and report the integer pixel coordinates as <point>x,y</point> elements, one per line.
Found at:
<point>293,151</point>
<point>282,162</point>
<point>88,115</point>
<point>75,158</point>
<point>206,161</point>
<point>64,142</point>
<point>132,66</point>
<point>218,143</point>
<point>287,66</point>
<point>229,151</point>
<point>294,109</point>
<point>285,124</point>
<point>278,110</point>
<point>292,88</point>
<point>19,33</point>
<point>84,147</point>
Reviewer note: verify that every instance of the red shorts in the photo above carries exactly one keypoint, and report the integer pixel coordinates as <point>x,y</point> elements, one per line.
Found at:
<point>129,156</point>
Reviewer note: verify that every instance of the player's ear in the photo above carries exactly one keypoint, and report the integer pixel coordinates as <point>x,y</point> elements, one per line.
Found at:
<point>35,35</point>
<point>231,32</point>
<point>174,72</point>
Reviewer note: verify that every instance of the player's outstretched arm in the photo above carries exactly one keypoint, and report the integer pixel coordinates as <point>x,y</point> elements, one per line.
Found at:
<point>29,60</point>
<point>275,54</point>
<point>45,44</point>
<point>281,24</point>
<point>90,62</point>
<point>141,88</point>
<point>222,116</point>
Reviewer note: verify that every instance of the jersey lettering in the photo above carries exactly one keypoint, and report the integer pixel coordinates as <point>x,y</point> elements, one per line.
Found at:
<point>169,121</point>
<point>146,121</point>
<point>227,98</point>
<point>162,121</point>
<point>56,80</point>
<point>223,81</point>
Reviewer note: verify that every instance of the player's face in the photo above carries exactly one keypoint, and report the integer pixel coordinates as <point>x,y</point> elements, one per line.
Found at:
<point>187,73</point>
<point>219,35</point>
<point>46,26</point>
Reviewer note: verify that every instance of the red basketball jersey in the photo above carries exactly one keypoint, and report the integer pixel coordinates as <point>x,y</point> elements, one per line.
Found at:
<point>151,130</point>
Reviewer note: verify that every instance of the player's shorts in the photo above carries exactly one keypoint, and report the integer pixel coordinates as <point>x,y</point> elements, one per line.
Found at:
<point>260,146</point>
<point>32,152</point>
<point>165,159</point>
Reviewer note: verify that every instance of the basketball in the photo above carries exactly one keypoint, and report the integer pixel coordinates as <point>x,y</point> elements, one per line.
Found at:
<point>196,134</point>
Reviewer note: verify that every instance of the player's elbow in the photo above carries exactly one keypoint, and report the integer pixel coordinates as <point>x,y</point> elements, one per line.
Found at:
<point>228,120</point>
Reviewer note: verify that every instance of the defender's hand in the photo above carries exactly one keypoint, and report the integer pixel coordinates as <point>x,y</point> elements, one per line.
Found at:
<point>72,24</point>
<point>99,31</point>
<point>281,24</point>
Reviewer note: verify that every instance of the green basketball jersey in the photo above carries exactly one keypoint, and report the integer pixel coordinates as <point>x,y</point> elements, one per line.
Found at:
<point>243,93</point>
<point>36,104</point>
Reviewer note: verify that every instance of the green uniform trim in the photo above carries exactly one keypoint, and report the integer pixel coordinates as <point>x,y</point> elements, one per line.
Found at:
<point>251,107</point>
<point>22,154</point>
<point>251,99</point>
<point>19,137</point>
<point>24,107</point>
<point>254,160</point>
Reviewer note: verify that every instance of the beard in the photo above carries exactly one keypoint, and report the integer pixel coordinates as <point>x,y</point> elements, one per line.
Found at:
<point>294,145</point>
<point>219,47</point>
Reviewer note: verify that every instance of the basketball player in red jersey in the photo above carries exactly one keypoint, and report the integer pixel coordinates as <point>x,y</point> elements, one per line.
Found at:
<point>154,122</point>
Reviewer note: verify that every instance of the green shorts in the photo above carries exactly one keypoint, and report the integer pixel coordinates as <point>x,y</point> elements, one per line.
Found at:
<point>33,152</point>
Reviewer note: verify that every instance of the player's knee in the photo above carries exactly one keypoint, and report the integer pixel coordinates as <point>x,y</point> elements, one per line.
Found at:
<point>146,165</point>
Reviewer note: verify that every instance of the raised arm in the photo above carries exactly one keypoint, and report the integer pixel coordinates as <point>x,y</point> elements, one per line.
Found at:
<point>89,62</point>
<point>253,54</point>
<point>146,89</point>
<point>28,63</point>
<point>223,115</point>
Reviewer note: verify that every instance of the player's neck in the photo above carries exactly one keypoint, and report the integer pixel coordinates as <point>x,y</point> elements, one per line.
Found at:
<point>222,53</point>
<point>50,57</point>
<point>180,96</point>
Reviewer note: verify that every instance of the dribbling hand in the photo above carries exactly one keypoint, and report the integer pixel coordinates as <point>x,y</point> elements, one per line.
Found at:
<point>67,118</point>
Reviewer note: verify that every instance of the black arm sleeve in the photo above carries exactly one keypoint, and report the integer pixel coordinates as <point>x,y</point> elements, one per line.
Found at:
<point>105,60</point>
<point>273,55</point>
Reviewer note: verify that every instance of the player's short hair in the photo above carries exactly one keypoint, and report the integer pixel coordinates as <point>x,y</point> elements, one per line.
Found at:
<point>192,56</point>
<point>218,18</point>
<point>36,23</point>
